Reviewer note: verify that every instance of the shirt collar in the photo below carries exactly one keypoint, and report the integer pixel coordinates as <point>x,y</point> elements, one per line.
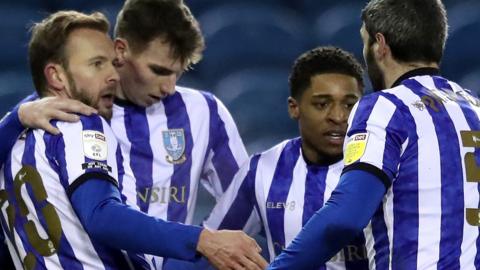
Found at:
<point>416,72</point>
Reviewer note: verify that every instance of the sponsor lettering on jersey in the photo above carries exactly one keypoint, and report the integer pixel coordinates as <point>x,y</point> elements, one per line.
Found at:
<point>94,145</point>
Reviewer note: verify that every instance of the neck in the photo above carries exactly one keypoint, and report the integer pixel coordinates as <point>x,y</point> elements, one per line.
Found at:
<point>120,93</point>
<point>313,157</point>
<point>393,70</point>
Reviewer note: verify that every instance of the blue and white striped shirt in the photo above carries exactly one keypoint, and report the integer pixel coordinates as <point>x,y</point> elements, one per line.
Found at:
<point>422,138</point>
<point>172,146</point>
<point>41,172</point>
<point>277,192</point>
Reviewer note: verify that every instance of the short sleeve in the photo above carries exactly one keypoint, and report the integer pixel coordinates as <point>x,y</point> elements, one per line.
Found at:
<point>375,137</point>
<point>85,150</point>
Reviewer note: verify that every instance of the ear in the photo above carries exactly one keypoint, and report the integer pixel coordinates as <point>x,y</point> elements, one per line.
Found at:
<point>122,51</point>
<point>56,79</point>
<point>293,108</point>
<point>381,47</point>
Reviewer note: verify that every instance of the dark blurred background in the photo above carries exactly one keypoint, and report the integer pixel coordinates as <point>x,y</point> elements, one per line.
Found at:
<point>251,45</point>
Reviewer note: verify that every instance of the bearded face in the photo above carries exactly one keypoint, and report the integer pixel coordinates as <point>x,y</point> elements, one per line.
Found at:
<point>377,78</point>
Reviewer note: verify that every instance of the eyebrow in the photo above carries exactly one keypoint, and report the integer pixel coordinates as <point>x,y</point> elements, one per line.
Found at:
<point>98,57</point>
<point>330,96</point>
<point>160,69</point>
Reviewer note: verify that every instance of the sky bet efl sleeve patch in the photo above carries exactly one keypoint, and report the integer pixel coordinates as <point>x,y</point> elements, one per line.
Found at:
<point>355,148</point>
<point>94,145</point>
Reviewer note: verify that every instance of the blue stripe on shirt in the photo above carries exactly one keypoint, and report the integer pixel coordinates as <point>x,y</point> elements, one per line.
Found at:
<point>382,243</point>
<point>21,219</point>
<point>141,154</point>
<point>224,161</point>
<point>244,203</point>
<point>405,200</point>
<point>177,118</point>
<point>362,114</point>
<point>66,256</point>
<point>451,182</point>
<point>121,172</point>
<point>282,180</point>
<point>314,191</point>
<point>474,124</point>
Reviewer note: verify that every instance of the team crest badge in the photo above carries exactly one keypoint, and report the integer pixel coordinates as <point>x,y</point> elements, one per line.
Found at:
<point>174,144</point>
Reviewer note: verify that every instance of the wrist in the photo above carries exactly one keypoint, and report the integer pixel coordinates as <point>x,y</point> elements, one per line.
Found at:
<point>204,241</point>
<point>20,115</point>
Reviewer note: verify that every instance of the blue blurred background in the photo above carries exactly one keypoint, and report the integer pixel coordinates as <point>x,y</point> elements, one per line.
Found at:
<point>251,45</point>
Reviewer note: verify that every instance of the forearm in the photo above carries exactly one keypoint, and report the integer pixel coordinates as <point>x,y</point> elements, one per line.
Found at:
<point>343,217</point>
<point>119,226</point>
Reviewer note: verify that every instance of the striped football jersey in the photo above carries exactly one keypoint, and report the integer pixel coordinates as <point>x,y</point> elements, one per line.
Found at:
<point>276,193</point>
<point>422,139</point>
<point>167,149</point>
<point>41,172</point>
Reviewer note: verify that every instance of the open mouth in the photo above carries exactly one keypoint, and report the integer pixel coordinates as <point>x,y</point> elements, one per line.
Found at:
<point>108,99</point>
<point>155,98</point>
<point>335,137</point>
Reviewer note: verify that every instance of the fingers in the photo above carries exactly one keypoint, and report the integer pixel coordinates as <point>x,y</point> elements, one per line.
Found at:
<point>250,257</point>
<point>63,116</point>
<point>38,113</point>
<point>248,264</point>
<point>75,106</point>
<point>50,129</point>
<point>45,125</point>
<point>231,250</point>
<point>258,261</point>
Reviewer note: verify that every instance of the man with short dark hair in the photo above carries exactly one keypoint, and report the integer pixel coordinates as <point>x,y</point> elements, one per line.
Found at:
<point>411,170</point>
<point>281,188</point>
<point>278,190</point>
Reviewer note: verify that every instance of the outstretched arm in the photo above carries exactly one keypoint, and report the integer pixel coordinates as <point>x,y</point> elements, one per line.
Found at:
<point>98,205</point>
<point>349,209</point>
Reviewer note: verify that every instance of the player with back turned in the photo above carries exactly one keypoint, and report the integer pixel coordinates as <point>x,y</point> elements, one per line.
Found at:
<point>411,154</point>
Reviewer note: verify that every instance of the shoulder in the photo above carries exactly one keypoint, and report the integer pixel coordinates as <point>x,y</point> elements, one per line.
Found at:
<point>198,96</point>
<point>93,126</point>
<point>271,155</point>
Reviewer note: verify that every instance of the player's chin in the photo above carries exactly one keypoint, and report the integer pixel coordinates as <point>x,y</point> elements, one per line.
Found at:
<point>333,150</point>
<point>105,112</point>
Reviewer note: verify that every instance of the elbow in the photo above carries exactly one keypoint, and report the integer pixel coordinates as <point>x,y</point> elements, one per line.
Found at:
<point>96,225</point>
<point>344,229</point>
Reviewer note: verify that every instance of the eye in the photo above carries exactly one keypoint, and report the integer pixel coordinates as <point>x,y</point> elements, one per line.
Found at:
<point>320,104</point>
<point>349,105</point>
<point>98,63</point>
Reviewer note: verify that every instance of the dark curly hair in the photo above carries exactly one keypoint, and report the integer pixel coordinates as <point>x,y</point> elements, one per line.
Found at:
<point>322,60</point>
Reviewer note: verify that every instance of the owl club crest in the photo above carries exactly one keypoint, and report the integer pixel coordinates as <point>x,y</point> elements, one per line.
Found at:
<point>174,144</point>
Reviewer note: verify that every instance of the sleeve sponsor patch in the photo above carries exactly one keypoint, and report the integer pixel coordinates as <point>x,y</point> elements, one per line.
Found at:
<point>96,165</point>
<point>94,145</point>
<point>355,148</point>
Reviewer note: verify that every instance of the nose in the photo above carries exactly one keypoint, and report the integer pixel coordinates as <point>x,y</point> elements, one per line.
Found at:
<point>338,114</point>
<point>168,85</point>
<point>113,76</point>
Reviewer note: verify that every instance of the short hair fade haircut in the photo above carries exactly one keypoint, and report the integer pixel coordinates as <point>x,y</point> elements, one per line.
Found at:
<point>322,60</point>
